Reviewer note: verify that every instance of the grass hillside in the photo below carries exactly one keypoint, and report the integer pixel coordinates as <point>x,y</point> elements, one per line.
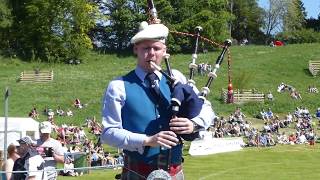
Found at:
<point>260,67</point>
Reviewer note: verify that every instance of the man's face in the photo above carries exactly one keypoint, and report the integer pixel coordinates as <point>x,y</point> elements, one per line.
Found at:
<point>147,51</point>
<point>23,148</point>
<point>44,136</point>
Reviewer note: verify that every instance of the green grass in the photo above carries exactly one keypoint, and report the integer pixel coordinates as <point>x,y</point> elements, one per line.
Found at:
<point>285,162</point>
<point>263,67</point>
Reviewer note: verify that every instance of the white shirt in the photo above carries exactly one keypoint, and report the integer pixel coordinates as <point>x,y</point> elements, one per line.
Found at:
<point>114,99</point>
<point>32,165</point>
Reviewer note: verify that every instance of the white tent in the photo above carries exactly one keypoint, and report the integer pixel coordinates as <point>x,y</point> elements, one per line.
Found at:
<point>18,127</point>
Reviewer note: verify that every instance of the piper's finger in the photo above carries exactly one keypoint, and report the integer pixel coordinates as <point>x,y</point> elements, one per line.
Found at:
<point>164,145</point>
<point>178,120</point>
<point>183,132</point>
<point>181,128</point>
<point>167,142</point>
<point>177,124</point>
<point>168,135</point>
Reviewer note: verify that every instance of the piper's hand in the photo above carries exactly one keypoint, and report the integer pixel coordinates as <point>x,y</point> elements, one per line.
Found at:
<point>166,139</point>
<point>181,125</point>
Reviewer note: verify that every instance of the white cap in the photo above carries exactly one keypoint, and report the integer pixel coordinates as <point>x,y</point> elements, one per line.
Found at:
<point>45,127</point>
<point>156,32</point>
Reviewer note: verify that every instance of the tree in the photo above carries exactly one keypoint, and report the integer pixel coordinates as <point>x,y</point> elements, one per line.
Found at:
<point>5,15</point>
<point>124,17</point>
<point>51,30</point>
<point>313,24</point>
<point>294,18</point>
<point>248,20</point>
<point>273,16</point>
<point>211,15</point>
<point>5,24</point>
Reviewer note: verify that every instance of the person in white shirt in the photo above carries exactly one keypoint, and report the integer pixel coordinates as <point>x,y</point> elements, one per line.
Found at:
<point>137,120</point>
<point>33,161</point>
<point>53,147</point>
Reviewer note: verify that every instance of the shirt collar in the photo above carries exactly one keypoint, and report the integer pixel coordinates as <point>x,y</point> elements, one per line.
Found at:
<point>142,73</point>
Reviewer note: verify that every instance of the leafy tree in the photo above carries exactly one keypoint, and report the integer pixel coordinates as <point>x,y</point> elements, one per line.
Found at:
<point>211,15</point>
<point>52,30</point>
<point>313,24</point>
<point>5,24</point>
<point>248,20</point>
<point>273,16</point>
<point>124,17</point>
<point>5,15</point>
<point>294,18</point>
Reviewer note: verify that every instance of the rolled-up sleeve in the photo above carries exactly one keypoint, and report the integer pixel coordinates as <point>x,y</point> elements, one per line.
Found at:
<point>113,132</point>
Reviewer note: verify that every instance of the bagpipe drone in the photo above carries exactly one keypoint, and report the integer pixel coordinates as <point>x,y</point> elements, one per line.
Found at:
<point>184,101</point>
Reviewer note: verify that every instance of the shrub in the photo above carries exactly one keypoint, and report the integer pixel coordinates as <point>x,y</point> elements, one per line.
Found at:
<point>299,36</point>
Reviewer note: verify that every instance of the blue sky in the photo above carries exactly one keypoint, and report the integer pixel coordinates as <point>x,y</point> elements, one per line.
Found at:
<point>312,7</point>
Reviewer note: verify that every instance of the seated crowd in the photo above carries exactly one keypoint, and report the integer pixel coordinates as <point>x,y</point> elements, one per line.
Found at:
<point>298,124</point>
<point>294,94</point>
<point>74,139</point>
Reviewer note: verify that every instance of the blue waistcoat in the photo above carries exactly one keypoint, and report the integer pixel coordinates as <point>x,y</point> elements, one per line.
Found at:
<point>142,114</point>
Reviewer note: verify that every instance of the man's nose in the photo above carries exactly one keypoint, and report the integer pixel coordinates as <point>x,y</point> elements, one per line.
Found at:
<point>151,51</point>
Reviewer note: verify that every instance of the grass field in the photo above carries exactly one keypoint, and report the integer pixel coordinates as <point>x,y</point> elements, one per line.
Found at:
<point>260,67</point>
<point>287,162</point>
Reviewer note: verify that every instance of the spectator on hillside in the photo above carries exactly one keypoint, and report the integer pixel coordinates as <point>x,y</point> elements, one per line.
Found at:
<point>110,160</point>
<point>295,95</point>
<point>301,138</point>
<point>318,114</point>
<point>270,114</point>
<point>292,139</point>
<point>282,138</point>
<point>270,96</point>
<point>270,140</point>
<point>281,88</point>
<point>60,112</point>
<point>69,113</point>
<point>289,119</point>
<point>238,115</point>
<point>266,127</point>
<point>120,159</point>
<point>68,167</point>
<point>82,135</point>
<point>311,137</point>
<point>95,159</point>
<point>50,114</point>
<point>77,103</point>
<point>263,140</point>
<point>253,140</point>
<point>263,114</point>
<point>45,110</point>
<point>34,113</point>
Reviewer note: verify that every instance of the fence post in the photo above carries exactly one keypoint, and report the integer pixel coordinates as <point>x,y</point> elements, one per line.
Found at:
<point>6,99</point>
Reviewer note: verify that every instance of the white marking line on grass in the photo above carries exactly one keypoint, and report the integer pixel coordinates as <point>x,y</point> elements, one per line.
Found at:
<point>245,167</point>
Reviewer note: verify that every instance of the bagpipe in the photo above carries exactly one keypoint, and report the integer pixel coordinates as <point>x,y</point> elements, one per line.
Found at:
<point>184,101</point>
